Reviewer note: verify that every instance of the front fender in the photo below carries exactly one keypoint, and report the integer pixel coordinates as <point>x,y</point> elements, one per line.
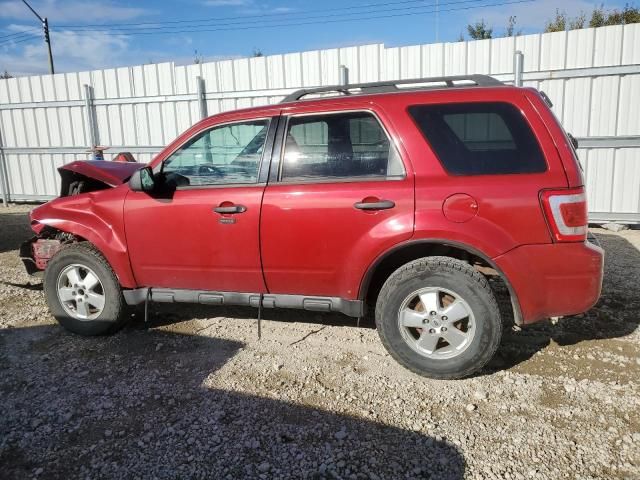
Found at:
<point>96,217</point>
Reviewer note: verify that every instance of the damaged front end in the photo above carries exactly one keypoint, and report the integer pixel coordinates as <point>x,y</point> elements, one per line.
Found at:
<point>85,210</point>
<point>36,252</point>
<point>93,175</point>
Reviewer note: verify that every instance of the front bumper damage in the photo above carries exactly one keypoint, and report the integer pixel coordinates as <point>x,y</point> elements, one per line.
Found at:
<point>36,252</point>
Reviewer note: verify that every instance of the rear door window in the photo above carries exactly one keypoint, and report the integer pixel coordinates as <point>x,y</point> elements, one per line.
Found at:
<point>344,145</point>
<point>480,138</point>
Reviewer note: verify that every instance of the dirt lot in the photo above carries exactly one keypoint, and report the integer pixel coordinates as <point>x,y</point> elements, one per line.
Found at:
<point>196,395</point>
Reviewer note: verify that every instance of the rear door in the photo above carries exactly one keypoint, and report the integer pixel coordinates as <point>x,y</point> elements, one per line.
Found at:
<point>339,194</point>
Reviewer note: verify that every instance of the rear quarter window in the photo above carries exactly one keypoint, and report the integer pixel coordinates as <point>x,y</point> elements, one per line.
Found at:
<point>485,138</point>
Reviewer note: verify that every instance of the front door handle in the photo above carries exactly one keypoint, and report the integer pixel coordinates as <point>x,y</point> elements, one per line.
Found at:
<point>379,205</point>
<point>230,209</point>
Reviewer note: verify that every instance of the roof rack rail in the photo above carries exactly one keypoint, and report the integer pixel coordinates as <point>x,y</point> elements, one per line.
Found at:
<point>389,86</point>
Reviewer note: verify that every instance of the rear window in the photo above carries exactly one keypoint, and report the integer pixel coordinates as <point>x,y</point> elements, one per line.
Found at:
<point>480,138</point>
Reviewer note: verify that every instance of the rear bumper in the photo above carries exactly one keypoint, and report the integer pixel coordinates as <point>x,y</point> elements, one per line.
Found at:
<point>554,280</point>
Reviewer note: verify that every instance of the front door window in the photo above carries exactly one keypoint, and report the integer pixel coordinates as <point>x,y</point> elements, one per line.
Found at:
<point>224,155</point>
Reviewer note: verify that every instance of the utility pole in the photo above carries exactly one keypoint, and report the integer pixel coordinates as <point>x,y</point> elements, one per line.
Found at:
<point>437,21</point>
<point>47,39</point>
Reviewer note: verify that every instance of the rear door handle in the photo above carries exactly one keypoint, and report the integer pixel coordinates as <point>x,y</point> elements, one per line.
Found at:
<point>231,209</point>
<point>380,205</point>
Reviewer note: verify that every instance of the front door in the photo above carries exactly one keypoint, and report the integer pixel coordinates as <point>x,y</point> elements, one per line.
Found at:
<point>204,235</point>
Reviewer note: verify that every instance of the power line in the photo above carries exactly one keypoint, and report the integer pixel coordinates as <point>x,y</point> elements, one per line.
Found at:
<point>262,21</point>
<point>13,42</point>
<point>321,20</point>
<point>261,16</point>
<point>20,38</point>
<point>31,30</point>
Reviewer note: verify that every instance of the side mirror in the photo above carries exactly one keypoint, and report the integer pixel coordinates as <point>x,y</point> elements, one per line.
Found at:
<point>574,140</point>
<point>142,180</point>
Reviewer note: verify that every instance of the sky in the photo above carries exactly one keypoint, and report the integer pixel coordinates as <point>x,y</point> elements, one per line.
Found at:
<point>94,34</point>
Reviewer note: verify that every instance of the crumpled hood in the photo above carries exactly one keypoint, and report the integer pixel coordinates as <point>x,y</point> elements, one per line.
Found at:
<point>110,173</point>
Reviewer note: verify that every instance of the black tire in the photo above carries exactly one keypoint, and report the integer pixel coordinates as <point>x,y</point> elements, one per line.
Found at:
<point>454,275</point>
<point>113,315</point>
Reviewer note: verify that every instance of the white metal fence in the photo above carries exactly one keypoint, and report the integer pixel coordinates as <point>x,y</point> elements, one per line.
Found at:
<point>591,75</point>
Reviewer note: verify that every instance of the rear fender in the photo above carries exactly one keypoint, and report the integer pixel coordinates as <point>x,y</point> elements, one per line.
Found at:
<point>96,217</point>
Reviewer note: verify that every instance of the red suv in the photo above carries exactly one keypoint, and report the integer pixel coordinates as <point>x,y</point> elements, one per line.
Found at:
<point>396,198</point>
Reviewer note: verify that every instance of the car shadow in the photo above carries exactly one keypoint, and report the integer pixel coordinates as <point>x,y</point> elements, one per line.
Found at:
<point>615,315</point>
<point>155,405</point>
<point>15,229</point>
<point>161,314</point>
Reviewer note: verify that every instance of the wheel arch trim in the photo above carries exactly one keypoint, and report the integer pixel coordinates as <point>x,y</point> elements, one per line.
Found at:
<point>104,240</point>
<point>366,279</point>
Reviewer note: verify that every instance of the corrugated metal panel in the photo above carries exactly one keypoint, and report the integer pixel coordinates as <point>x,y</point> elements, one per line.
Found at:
<point>626,181</point>
<point>433,60</point>
<point>577,95</point>
<point>608,46</point>
<point>631,44</point>
<point>502,50</point>
<point>479,56</point>
<point>455,58</point>
<point>629,113</point>
<point>603,111</point>
<point>580,48</point>
<point>145,106</point>
<point>553,50</point>
<point>598,166</point>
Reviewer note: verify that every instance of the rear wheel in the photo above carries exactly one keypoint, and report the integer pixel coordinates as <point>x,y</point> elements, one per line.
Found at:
<point>82,291</point>
<point>438,317</point>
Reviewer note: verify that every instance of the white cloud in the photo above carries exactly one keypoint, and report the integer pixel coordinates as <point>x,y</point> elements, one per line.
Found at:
<point>73,52</point>
<point>60,11</point>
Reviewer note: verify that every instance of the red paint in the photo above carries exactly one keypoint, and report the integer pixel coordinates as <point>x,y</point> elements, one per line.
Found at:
<point>460,207</point>
<point>554,280</point>
<point>181,243</point>
<point>314,242</point>
<point>308,238</point>
<point>43,250</point>
<point>97,218</point>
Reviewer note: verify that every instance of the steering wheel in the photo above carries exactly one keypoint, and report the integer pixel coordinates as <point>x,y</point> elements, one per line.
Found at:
<point>207,169</point>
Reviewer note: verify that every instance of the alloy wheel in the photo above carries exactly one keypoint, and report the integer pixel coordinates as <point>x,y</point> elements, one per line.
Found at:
<point>436,323</point>
<point>80,292</point>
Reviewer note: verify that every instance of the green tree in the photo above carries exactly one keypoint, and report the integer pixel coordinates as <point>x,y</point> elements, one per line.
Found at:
<point>598,17</point>
<point>5,75</point>
<point>556,24</point>
<point>511,27</point>
<point>257,52</point>
<point>578,22</point>
<point>480,30</point>
<point>630,14</point>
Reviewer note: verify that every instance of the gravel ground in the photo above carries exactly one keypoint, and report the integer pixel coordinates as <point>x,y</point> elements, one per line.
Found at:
<point>196,395</point>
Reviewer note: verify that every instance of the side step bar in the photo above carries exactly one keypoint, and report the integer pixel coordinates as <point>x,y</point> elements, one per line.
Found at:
<point>352,308</point>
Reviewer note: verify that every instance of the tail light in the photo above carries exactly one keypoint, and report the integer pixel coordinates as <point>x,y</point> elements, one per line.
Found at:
<point>566,212</point>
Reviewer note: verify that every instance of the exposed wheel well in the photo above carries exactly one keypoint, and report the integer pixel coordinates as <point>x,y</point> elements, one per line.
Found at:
<point>379,272</point>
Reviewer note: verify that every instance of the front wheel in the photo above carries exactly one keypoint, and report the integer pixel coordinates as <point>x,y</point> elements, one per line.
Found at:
<point>82,291</point>
<point>438,317</point>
